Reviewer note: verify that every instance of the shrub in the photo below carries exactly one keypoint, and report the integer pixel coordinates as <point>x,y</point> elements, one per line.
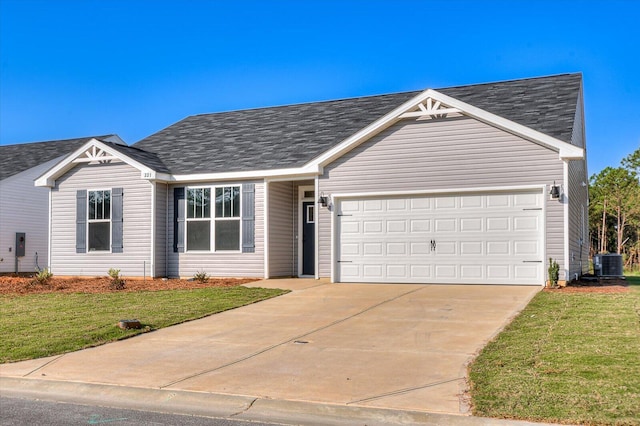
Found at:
<point>42,276</point>
<point>117,283</point>
<point>554,272</point>
<point>201,276</point>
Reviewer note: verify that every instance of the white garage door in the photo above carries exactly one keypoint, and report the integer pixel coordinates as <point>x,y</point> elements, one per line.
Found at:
<point>473,239</point>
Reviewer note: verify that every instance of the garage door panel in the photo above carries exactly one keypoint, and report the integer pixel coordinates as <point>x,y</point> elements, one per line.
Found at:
<point>471,248</point>
<point>498,201</point>
<point>372,205</point>
<point>471,202</point>
<point>497,248</point>
<point>475,238</point>
<point>526,223</point>
<point>446,272</point>
<point>471,272</point>
<point>396,272</point>
<point>421,272</point>
<point>372,271</point>
<point>396,249</point>
<point>420,225</point>
<point>526,200</point>
<point>471,224</point>
<point>372,249</point>
<point>372,226</point>
<point>395,226</point>
<point>498,224</point>
<point>446,248</point>
<point>498,272</point>
<point>445,225</point>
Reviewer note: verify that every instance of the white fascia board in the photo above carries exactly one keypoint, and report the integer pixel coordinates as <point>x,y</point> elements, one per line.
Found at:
<point>565,150</point>
<point>49,178</point>
<point>301,172</point>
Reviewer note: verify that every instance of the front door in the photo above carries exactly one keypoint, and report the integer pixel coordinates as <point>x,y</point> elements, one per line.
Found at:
<point>308,238</point>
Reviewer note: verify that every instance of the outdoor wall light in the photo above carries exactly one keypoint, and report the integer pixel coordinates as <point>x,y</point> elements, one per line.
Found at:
<point>554,192</point>
<point>323,200</point>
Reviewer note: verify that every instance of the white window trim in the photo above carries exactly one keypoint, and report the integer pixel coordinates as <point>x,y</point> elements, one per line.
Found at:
<point>212,219</point>
<point>110,220</point>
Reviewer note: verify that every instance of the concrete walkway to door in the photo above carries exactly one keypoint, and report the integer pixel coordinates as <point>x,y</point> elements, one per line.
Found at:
<point>396,346</point>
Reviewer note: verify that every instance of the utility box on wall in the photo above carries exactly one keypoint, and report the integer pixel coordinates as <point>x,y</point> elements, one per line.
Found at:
<point>20,244</point>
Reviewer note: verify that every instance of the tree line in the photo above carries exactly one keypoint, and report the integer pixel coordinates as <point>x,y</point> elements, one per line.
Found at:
<point>614,211</point>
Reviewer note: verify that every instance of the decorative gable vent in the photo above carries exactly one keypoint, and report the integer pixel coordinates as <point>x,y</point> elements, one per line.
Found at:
<point>430,108</point>
<point>95,155</point>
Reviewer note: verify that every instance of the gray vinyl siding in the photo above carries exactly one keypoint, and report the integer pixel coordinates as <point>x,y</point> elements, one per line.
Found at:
<point>219,264</point>
<point>282,225</point>
<point>137,211</point>
<point>24,208</point>
<point>450,154</point>
<point>161,243</point>
<point>578,201</point>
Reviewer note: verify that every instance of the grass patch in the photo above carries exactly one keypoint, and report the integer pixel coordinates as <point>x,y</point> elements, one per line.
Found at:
<point>569,358</point>
<point>40,325</point>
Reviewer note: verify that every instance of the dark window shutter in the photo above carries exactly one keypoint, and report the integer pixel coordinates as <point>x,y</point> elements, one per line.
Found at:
<point>116,220</point>
<point>178,220</point>
<point>81,221</point>
<point>248,218</point>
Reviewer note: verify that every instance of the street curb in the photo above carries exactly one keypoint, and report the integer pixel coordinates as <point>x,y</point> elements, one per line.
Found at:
<point>229,406</point>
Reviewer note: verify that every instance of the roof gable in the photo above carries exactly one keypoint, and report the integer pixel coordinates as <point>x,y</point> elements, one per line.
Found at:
<point>17,158</point>
<point>96,151</point>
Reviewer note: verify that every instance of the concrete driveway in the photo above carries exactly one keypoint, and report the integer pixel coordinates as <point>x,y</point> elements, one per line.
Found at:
<point>403,347</point>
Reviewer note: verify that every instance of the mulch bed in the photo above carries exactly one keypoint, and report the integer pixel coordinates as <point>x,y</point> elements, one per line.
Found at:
<point>603,285</point>
<point>27,285</point>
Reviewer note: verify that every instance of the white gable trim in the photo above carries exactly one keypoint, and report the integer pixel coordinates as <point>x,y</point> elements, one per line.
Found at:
<point>94,151</point>
<point>443,105</point>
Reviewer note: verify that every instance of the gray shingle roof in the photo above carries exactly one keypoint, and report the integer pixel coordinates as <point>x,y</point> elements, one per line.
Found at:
<point>17,158</point>
<point>545,104</point>
<point>265,138</point>
<point>149,159</point>
<point>290,136</point>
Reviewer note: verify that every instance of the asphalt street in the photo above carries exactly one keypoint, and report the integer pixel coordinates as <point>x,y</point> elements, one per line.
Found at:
<point>18,411</point>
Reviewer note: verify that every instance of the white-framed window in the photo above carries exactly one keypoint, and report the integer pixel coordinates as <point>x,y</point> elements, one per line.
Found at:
<point>198,219</point>
<point>227,218</point>
<point>99,220</point>
<point>220,228</point>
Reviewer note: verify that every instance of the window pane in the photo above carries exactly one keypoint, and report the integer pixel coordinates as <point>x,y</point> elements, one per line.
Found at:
<point>198,235</point>
<point>206,202</point>
<point>235,201</point>
<point>219,202</point>
<point>107,205</point>
<point>99,236</point>
<point>92,205</point>
<point>99,205</point>
<point>228,235</point>
<point>191,195</point>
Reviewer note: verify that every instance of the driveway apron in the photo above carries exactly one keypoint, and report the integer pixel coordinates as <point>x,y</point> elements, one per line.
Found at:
<point>397,346</point>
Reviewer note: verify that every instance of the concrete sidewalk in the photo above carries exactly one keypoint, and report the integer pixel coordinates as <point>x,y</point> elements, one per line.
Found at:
<point>393,347</point>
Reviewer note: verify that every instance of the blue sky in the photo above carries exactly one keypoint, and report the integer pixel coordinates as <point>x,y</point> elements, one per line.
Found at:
<point>132,67</point>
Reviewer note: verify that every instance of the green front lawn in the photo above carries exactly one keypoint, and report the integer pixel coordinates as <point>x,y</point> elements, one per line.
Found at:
<point>40,325</point>
<point>567,358</point>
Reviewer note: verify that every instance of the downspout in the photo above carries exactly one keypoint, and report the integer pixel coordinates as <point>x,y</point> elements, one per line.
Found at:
<point>152,272</point>
<point>316,227</point>
<point>266,229</point>
<point>566,195</point>
<point>50,229</point>
<point>166,231</point>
